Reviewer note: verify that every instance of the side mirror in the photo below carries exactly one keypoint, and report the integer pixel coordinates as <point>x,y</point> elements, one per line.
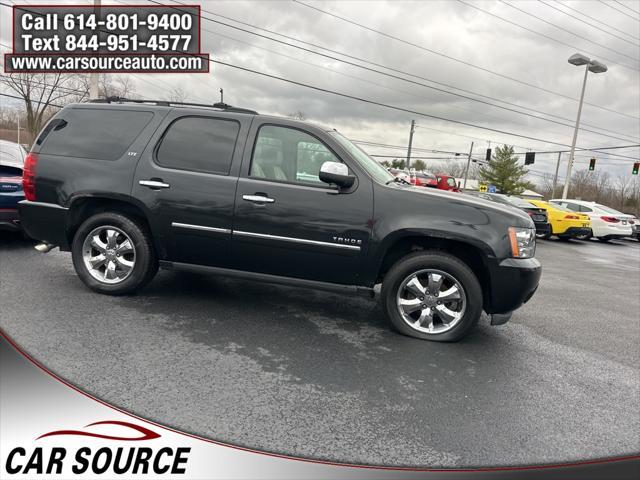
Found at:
<point>336,173</point>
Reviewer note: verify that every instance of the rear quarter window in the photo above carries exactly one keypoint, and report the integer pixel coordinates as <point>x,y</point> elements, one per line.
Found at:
<point>200,144</point>
<point>101,134</point>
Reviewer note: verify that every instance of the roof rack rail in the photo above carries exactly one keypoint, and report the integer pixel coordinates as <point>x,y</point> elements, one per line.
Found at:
<point>168,103</point>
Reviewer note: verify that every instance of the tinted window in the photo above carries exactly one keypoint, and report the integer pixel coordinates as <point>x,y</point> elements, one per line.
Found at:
<point>102,134</point>
<point>202,144</point>
<point>289,155</point>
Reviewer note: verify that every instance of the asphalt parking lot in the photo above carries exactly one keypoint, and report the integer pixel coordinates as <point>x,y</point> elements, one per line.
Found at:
<point>320,375</point>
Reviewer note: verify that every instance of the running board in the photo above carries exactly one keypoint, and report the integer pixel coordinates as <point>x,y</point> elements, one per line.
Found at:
<point>267,278</point>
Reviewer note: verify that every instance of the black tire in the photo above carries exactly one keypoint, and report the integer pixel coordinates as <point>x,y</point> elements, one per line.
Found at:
<point>604,239</point>
<point>146,263</point>
<point>544,236</point>
<point>432,259</point>
<point>564,238</point>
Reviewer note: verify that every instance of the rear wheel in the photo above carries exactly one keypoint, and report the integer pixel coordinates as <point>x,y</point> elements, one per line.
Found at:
<point>545,235</point>
<point>564,238</point>
<point>603,239</point>
<point>113,254</point>
<point>432,296</point>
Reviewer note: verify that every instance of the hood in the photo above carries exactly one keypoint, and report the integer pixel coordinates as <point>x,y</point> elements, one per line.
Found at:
<point>458,197</point>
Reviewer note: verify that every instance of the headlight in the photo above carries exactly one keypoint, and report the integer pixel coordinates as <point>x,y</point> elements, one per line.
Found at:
<point>523,241</point>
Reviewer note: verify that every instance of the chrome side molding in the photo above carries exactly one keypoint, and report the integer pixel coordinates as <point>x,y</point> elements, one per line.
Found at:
<point>200,227</point>
<point>296,240</point>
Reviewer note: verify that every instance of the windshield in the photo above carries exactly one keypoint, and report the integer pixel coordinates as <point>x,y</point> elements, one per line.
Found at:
<point>373,168</point>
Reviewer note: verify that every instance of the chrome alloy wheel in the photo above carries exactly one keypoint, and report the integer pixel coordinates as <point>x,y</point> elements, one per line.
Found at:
<point>431,301</point>
<point>108,254</point>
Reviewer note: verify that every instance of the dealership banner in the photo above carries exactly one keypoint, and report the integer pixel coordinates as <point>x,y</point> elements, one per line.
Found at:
<point>52,429</point>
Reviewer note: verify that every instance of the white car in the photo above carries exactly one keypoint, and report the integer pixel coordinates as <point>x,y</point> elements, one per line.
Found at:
<point>606,223</point>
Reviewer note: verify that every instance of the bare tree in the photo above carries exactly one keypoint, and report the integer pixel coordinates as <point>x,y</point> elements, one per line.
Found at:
<point>42,94</point>
<point>298,115</point>
<point>600,186</point>
<point>177,94</point>
<point>622,187</point>
<point>110,86</point>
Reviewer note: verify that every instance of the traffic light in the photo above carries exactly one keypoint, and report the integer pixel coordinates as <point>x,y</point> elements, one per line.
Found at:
<point>636,167</point>
<point>488,155</point>
<point>592,164</point>
<point>529,158</point>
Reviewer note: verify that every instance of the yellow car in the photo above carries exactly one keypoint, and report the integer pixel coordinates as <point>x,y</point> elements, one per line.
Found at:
<point>564,223</point>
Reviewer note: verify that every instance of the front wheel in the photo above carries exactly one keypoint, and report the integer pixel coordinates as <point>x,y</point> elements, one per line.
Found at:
<point>432,296</point>
<point>113,254</point>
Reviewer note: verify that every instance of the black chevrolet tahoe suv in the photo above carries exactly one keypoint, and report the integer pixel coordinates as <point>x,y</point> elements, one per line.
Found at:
<point>130,186</point>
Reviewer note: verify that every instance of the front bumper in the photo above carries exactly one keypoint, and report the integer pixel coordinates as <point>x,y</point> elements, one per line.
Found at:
<point>513,281</point>
<point>45,221</point>
<point>9,219</point>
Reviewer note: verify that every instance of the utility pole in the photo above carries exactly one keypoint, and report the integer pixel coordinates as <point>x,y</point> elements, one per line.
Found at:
<point>221,95</point>
<point>413,129</point>
<point>466,172</point>
<point>555,177</point>
<point>94,90</point>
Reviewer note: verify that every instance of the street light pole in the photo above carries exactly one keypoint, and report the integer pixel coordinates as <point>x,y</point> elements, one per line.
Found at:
<point>590,66</point>
<point>565,190</point>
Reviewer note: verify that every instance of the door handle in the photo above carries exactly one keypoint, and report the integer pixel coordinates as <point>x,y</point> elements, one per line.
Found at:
<point>258,199</point>
<point>154,184</point>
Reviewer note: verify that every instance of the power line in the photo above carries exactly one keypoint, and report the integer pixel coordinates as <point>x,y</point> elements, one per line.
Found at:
<point>372,102</point>
<point>568,31</point>
<point>627,7</point>
<point>595,150</point>
<point>618,10</point>
<point>590,24</point>
<point>421,47</point>
<point>395,76</point>
<point>598,20</point>
<point>541,34</point>
<point>408,73</point>
<point>626,138</point>
<point>34,101</point>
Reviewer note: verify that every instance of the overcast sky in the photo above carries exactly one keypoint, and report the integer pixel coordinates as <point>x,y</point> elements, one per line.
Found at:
<point>536,55</point>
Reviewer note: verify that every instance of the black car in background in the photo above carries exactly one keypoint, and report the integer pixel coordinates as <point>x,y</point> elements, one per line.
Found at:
<point>537,214</point>
<point>12,157</point>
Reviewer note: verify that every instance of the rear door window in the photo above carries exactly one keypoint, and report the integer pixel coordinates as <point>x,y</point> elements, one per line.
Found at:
<point>101,134</point>
<point>200,144</point>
